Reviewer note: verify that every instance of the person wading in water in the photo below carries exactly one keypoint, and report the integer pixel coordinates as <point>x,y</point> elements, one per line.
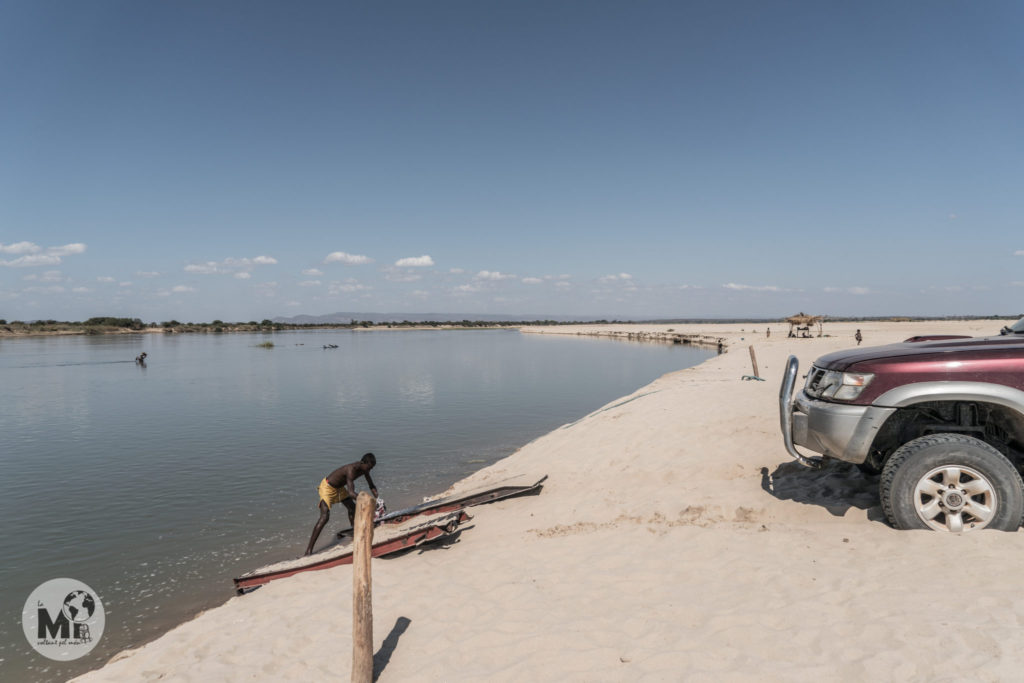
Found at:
<point>339,487</point>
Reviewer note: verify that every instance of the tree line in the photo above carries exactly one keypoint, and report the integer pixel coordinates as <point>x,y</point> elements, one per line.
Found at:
<point>102,324</point>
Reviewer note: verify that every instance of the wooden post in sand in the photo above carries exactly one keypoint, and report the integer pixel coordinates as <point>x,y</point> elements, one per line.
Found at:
<point>362,602</point>
<point>753,361</point>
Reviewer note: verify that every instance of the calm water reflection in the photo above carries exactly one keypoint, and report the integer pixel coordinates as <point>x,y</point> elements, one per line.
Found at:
<point>155,485</point>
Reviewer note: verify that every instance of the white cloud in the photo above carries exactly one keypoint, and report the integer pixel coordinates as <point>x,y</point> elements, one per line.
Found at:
<point>753,288</point>
<point>182,289</point>
<point>309,283</point>
<point>563,284</point>
<point>347,259</point>
<point>29,255</point>
<point>493,275</point>
<point>126,283</point>
<point>104,278</point>
<point>849,290</point>
<point>293,304</point>
<point>52,289</point>
<point>466,289</point>
<point>32,260</point>
<point>312,272</point>
<point>229,265</point>
<point>420,293</point>
<point>67,249</point>
<point>147,273</point>
<point>20,248</point>
<point>1019,252</point>
<point>532,281</point>
<point>48,276</point>
<point>244,275</point>
<point>347,287</point>
<point>456,271</point>
<point>617,276</point>
<point>415,262</point>
<point>81,290</point>
<point>393,275</point>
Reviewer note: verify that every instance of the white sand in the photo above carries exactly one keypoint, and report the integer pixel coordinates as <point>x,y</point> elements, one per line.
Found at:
<point>654,553</point>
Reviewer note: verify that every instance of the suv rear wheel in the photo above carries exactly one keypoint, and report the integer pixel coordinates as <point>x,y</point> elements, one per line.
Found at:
<point>951,482</point>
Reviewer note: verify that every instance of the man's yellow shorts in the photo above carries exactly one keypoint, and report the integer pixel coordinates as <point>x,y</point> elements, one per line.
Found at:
<point>331,495</point>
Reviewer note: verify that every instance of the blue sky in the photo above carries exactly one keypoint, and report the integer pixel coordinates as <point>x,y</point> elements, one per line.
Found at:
<point>245,160</point>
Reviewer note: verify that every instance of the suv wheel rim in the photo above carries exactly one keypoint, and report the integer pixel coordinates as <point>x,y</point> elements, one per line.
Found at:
<point>955,498</point>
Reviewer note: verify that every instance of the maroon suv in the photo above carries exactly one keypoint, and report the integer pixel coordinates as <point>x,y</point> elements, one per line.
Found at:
<point>940,418</point>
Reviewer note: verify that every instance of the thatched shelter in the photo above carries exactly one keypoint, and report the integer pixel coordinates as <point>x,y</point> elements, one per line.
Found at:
<point>802,323</point>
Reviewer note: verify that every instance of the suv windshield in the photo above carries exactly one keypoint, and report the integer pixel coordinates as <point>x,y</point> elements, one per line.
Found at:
<point>1016,328</point>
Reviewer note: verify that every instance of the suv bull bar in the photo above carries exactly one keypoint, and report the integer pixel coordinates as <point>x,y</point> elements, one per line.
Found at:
<point>786,414</point>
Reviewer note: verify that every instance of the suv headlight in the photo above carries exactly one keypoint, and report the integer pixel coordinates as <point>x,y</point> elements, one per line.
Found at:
<point>844,386</point>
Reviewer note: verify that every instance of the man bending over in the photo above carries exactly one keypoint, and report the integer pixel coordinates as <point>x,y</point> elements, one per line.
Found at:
<point>339,487</point>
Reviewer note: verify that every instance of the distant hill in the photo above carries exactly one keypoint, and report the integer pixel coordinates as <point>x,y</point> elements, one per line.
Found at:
<point>344,318</point>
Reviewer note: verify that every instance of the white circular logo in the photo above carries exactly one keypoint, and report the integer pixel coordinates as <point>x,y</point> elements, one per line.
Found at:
<point>63,619</point>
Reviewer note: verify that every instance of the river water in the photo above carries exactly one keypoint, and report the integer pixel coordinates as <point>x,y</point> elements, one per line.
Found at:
<point>156,484</point>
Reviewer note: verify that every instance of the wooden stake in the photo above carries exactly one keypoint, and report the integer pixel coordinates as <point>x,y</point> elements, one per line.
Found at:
<point>753,361</point>
<point>362,599</point>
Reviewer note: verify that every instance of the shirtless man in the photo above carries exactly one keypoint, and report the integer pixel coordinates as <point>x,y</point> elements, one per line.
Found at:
<point>339,487</point>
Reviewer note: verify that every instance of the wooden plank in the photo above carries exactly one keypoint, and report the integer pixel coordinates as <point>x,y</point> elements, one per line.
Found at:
<point>410,539</point>
<point>362,593</point>
<point>457,502</point>
<point>753,361</point>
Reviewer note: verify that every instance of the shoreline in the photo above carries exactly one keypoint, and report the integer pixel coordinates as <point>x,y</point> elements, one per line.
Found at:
<point>674,534</point>
<point>687,333</point>
<point>669,335</point>
<point>7,333</point>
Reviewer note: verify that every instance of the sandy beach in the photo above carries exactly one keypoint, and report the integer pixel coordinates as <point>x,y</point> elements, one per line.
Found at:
<point>674,539</point>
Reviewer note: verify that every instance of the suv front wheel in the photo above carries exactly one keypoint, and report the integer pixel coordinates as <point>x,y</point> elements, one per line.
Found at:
<point>951,482</point>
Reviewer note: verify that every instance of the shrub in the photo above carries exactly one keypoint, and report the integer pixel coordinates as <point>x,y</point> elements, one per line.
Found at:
<point>131,323</point>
